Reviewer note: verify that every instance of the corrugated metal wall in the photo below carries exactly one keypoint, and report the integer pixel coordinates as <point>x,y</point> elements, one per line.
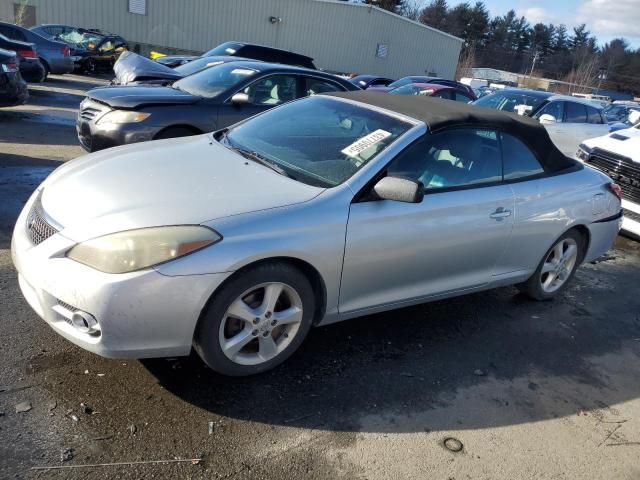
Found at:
<point>338,35</point>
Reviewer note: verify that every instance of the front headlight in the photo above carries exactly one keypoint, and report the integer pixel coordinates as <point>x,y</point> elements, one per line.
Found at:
<point>137,249</point>
<point>583,152</point>
<point>123,116</point>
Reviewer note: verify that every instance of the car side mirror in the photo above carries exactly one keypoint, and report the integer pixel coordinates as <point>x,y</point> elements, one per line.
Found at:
<point>399,190</point>
<point>240,99</point>
<point>547,119</point>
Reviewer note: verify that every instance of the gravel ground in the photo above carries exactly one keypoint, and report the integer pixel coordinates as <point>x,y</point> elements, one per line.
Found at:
<point>522,389</point>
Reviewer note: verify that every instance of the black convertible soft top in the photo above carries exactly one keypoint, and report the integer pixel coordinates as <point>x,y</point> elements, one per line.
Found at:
<point>439,114</point>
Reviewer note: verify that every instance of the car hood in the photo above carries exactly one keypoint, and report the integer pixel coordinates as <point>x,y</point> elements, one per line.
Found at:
<point>165,182</point>
<point>138,95</point>
<point>623,142</point>
<point>131,67</point>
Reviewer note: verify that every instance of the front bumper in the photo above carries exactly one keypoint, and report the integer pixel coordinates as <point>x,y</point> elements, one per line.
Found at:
<point>140,314</point>
<point>631,221</point>
<point>94,137</point>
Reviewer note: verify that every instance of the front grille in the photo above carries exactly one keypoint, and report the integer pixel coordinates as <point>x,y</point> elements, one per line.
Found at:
<point>631,215</point>
<point>89,113</point>
<point>37,226</point>
<point>621,169</point>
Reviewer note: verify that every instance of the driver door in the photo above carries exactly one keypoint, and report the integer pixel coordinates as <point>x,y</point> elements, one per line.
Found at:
<point>399,253</point>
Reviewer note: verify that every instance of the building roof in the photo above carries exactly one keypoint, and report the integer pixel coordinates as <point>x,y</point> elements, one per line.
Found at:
<point>441,114</point>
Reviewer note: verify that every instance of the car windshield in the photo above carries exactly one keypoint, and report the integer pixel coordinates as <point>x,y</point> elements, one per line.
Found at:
<point>615,112</point>
<point>196,65</point>
<point>507,101</point>
<point>85,40</point>
<point>412,90</point>
<point>227,48</point>
<point>318,140</point>
<point>211,82</point>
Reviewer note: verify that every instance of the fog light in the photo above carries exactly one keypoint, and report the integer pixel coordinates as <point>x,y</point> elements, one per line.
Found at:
<point>85,322</point>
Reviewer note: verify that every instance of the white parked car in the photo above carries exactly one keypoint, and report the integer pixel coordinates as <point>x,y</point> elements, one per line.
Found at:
<point>569,120</point>
<point>618,155</point>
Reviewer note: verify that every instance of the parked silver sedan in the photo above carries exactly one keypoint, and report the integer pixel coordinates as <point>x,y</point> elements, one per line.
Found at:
<point>321,210</point>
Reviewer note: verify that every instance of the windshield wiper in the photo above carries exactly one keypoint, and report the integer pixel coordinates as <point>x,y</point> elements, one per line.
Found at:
<point>256,157</point>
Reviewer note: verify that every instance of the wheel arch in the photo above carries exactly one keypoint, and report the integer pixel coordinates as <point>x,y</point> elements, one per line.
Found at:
<point>313,275</point>
<point>195,130</point>
<point>586,236</point>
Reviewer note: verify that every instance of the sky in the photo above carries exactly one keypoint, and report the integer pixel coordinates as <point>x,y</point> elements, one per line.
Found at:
<point>606,19</point>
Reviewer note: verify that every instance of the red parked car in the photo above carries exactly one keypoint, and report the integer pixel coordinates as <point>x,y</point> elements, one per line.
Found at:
<point>433,90</point>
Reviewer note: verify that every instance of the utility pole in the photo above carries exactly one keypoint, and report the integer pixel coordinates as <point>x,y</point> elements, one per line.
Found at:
<point>533,63</point>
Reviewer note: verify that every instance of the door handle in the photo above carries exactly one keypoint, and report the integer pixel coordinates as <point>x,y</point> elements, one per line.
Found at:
<point>500,213</point>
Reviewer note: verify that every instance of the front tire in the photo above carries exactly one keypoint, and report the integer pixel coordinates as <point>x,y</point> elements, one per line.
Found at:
<point>556,268</point>
<point>256,320</point>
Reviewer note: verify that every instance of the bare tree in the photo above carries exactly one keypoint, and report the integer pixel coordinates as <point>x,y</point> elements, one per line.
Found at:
<point>20,11</point>
<point>466,62</point>
<point>585,74</point>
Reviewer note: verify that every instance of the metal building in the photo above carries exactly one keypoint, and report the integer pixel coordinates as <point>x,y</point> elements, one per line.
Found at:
<point>340,36</point>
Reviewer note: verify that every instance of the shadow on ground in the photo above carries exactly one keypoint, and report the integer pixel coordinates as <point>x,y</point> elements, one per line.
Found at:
<point>411,360</point>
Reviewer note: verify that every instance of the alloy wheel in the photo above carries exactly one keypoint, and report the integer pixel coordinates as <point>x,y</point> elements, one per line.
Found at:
<point>261,323</point>
<point>558,265</point>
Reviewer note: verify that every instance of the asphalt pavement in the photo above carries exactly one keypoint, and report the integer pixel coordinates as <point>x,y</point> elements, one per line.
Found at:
<point>485,386</point>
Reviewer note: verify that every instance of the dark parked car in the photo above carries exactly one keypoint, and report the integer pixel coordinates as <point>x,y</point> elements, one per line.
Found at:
<point>93,50</point>
<point>246,50</point>
<point>366,81</point>
<point>55,56</point>
<point>422,79</point>
<point>209,100</point>
<point>134,69</point>
<point>30,67</point>
<point>433,90</point>
<point>13,89</point>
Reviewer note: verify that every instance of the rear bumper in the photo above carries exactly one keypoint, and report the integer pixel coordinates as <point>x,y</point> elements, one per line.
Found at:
<point>602,235</point>
<point>13,90</point>
<point>60,65</point>
<point>32,70</point>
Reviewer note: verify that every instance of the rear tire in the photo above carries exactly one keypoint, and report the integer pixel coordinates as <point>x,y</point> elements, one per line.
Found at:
<point>174,132</point>
<point>556,269</point>
<point>256,320</point>
<point>47,70</point>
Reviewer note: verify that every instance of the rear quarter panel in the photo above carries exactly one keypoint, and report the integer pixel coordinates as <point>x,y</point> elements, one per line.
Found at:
<point>546,208</point>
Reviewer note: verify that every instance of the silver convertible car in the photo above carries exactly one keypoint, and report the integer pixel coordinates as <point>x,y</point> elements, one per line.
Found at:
<point>327,208</point>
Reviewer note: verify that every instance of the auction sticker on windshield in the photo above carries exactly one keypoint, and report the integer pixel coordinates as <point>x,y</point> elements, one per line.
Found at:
<point>360,145</point>
<point>242,71</point>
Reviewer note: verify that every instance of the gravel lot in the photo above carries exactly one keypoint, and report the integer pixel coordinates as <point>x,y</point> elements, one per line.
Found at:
<point>530,390</point>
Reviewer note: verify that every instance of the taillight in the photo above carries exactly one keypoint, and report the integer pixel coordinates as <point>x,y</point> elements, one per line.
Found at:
<point>615,189</point>
<point>66,51</point>
<point>27,53</point>
<point>9,67</point>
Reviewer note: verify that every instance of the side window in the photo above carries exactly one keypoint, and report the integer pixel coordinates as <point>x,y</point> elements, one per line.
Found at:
<point>380,83</point>
<point>518,160</point>
<point>593,115</point>
<point>53,31</point>
<point>461,97</point>
<point>13,34</point>
<point>555,109</point>
<point>453,158</point>
<point>314,86</point>
<point>575,112</point>
<point>272,90</point>
<point>446,94</point>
